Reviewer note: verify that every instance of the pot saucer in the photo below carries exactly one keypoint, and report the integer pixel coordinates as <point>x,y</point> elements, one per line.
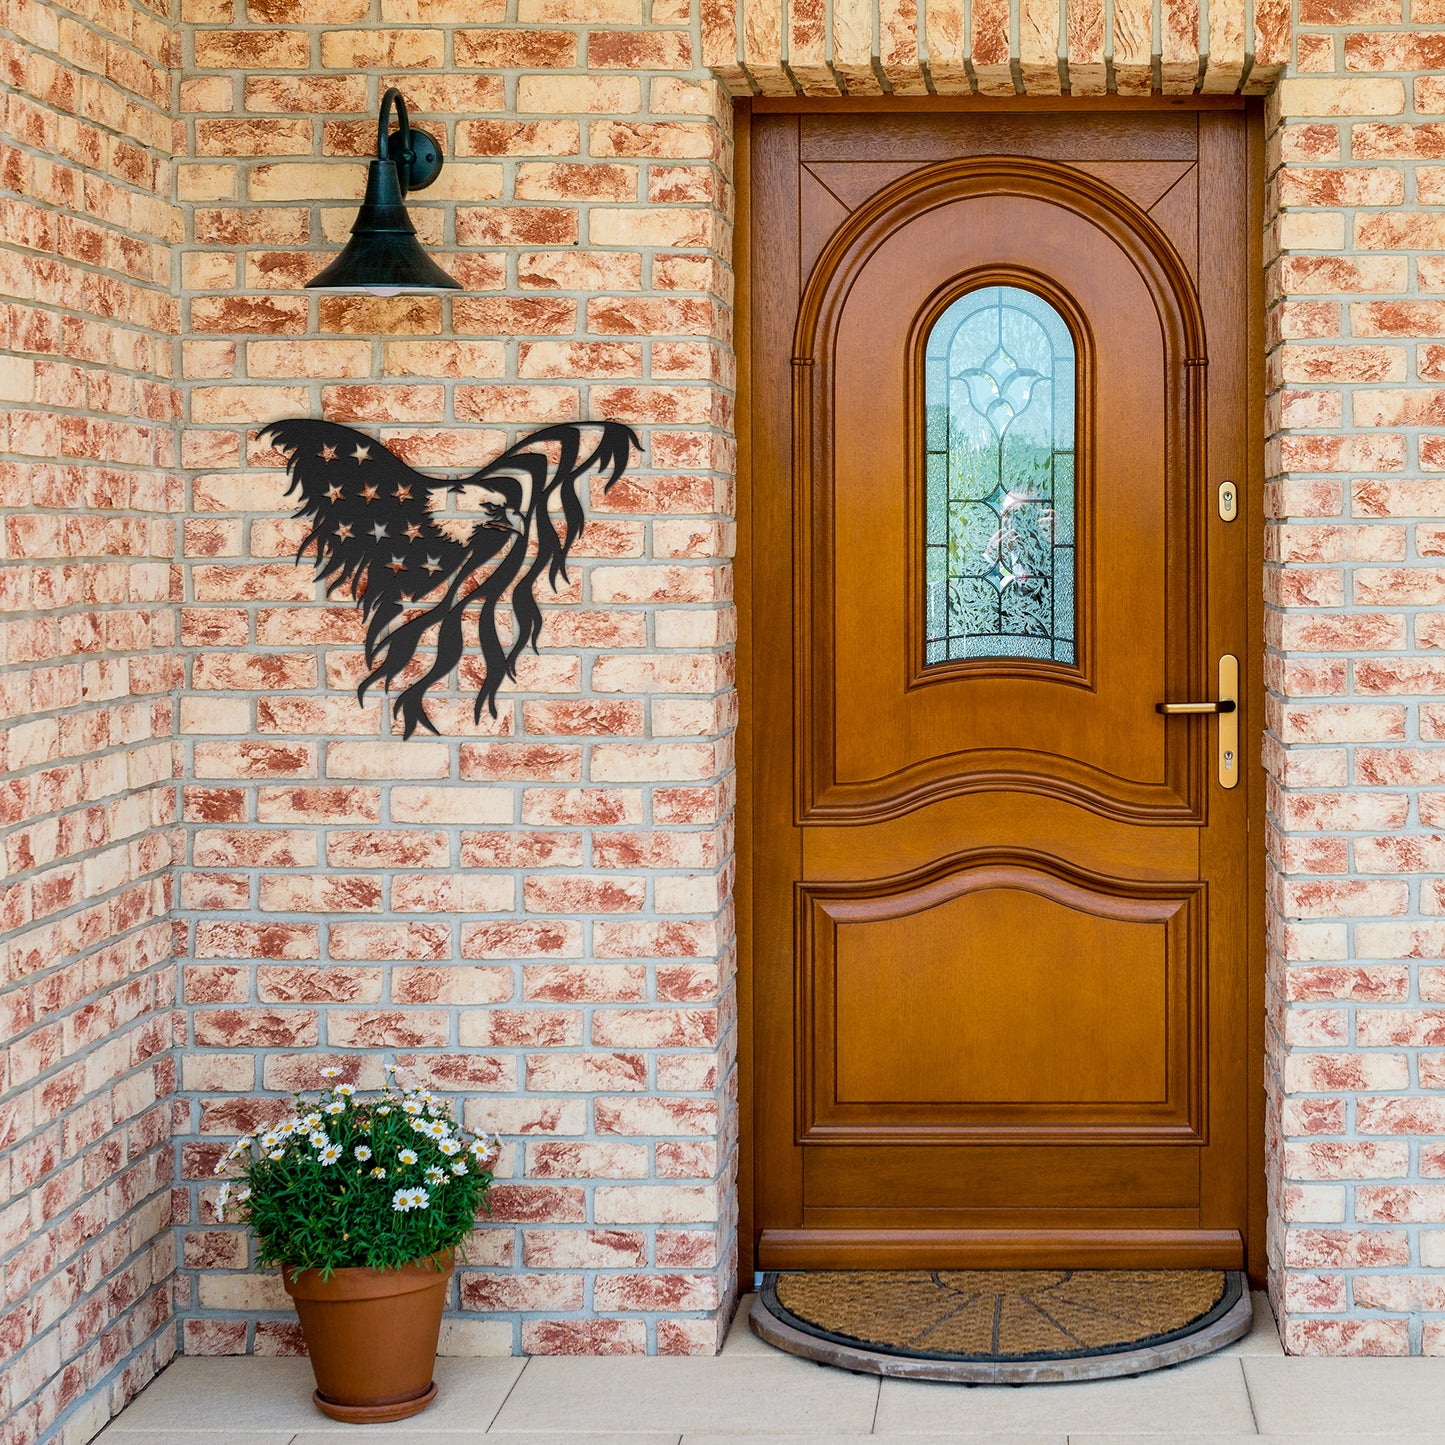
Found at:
<point>375,1414</point>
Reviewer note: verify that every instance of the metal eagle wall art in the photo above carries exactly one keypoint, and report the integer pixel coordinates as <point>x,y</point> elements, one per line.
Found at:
<point>401,540</point>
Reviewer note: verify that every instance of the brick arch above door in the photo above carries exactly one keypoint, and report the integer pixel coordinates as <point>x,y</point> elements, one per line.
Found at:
<point>995,48</point>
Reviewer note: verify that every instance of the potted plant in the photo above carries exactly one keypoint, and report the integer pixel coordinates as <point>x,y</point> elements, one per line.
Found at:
<point>363,1202</point>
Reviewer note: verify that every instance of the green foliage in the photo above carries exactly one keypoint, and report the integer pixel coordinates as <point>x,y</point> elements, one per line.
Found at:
<point>348,1180</point>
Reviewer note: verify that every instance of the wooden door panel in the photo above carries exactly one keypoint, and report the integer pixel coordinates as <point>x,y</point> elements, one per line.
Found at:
<point>999,901</point>
<point>934,731</point>
<point>1002,998</point>
<point>982,1001</point>
<point>1176,213</point>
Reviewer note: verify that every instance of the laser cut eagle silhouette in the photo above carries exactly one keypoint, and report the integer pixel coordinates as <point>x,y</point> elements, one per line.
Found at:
<point>401,539</point>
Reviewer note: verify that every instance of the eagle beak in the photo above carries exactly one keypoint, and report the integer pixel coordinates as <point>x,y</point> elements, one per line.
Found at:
<point>506,520</point>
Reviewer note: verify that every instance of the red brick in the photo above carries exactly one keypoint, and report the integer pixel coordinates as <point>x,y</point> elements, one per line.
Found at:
<point>584,1337</point>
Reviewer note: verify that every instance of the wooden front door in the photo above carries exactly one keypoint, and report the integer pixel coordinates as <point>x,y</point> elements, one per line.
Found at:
<point>999,372</point>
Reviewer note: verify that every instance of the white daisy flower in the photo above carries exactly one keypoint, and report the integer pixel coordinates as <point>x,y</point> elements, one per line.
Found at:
<point>378,1172</point>
<point>403,1201</point>
<point>487,1149</point>
<point>385,1109</point>
<point>311,1120</point>
<point>419,1125</point>
<point>270,1140</point>
<point>450,1146</point>
<point>412,1106</point>
<point>220,1166</point>
<point>331,1154</point>
<point>392,1068</point>
<point>336,1106</point>
<point>362,1152</point>
<point>289,1127</point>
<point>459,1167</point>
<point>331,1073</point>
<point>319,1139</point>
<point>435,1176</point>
<point>277,1154</point>
<point>437,1129</point>
<point>242,1195</point>
<point>407,1156</point>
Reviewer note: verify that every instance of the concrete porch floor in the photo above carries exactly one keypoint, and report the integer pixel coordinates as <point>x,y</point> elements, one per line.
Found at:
<point>1248,1391</point>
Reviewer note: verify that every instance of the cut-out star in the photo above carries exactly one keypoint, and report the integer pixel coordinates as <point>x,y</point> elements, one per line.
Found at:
<point>333,493</point>
<point>361,453</point>
<point>378,531</point>
<point>432,564</point>
<point>343,532</point>
<point>403,494</point>
<point>396,565</point>
<point>327,454</point>
<point>412,532</point>
<point>368,494</point>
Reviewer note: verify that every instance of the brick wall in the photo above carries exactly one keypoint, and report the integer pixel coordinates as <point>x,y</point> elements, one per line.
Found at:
<point>88,494</point>
<point>1354,580</point>
<point>533,913</point>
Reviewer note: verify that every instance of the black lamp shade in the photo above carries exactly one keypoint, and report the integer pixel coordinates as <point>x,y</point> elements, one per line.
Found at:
<point>383,255</point>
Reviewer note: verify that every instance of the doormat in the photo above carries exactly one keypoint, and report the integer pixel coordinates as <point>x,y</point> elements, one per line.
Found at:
<point>999,1326</point>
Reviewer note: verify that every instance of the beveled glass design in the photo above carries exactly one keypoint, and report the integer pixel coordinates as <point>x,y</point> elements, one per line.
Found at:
<point>999,394</point>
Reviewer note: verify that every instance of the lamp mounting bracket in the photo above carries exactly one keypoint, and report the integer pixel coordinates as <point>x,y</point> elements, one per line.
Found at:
<point>425,164</point>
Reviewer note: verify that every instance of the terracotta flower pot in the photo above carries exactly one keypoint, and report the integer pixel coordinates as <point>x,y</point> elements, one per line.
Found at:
<point>372,1336</point>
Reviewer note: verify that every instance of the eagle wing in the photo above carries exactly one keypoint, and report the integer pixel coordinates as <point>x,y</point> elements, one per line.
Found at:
<point>372,527</point>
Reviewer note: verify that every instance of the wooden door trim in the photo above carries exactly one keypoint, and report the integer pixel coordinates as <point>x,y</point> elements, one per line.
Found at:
<point>1253,518</point>
<point>983,104</point>
<point>1252,515</point>
<point>1005,1249</point>
<point>742,583</point>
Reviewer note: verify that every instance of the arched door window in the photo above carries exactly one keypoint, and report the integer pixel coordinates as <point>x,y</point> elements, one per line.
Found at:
<point>1000,398</point>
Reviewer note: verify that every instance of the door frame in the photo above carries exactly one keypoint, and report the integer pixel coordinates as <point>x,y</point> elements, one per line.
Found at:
<point>1253,516</point>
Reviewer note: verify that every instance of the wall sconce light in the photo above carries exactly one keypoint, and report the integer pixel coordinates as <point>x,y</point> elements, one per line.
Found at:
<point>383,255</point>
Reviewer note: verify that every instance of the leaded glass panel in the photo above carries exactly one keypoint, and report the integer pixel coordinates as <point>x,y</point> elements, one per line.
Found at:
<point>999,384</point>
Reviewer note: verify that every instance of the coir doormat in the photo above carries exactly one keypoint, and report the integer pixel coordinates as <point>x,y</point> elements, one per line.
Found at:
<point>1003,1326</point>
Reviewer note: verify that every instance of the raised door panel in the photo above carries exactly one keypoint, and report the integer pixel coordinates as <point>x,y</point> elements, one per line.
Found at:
<point>885,730</point>
<point>999,999</point>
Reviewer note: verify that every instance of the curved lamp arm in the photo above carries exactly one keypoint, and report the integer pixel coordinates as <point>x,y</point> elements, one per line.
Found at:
<point>415,154</point>
<point>393,97</point>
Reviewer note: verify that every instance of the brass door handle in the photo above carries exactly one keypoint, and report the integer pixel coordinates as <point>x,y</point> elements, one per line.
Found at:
<point>1226,707</point>
<point>1174,709</point>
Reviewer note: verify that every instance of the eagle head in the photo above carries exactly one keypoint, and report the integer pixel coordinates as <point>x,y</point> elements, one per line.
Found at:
<point>464,508</point>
